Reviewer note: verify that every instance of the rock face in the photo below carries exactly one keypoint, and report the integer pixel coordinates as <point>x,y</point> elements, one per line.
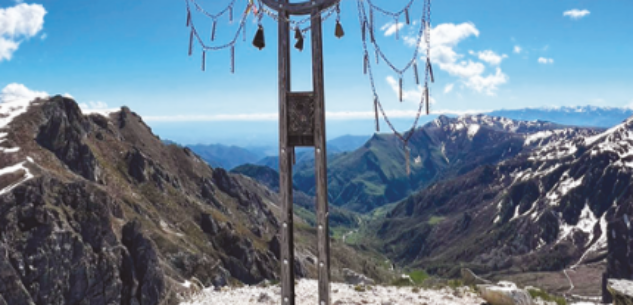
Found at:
<point>505,293</point>
<point>354,278</point>
<point>620,256</point>
<point>49,258</point>
<point>622,291</point>
<point>470,278</point>
<point>100,211</point>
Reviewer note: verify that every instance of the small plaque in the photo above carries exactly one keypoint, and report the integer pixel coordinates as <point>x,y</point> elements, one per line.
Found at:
<point>301,118</point>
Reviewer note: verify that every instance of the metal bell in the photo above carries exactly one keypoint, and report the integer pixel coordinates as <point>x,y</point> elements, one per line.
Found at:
<point>259,41</point>
<point>339,30</point>
<point>299,38</point>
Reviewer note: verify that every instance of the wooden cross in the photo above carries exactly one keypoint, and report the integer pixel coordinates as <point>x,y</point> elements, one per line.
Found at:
<point>302,123</point>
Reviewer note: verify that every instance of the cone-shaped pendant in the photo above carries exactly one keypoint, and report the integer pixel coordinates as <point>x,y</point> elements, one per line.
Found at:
<point>213,30</point>
<point>204,60</point>
<point>231,14</point>
<point>232,59</point>
<point>339,30</point>
<point>415,73</point>
<point>430,67</point>
<point>406,17</point>
<point>259,41</point>
<point>299,37</point>
<point>299,44</point>
<point>188,18</point>
<point>376,114</point>
<point>400,89</point>
<point>191,42</point>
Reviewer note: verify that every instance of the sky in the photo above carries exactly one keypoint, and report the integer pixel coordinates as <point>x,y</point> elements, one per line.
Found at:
<point>486,55</point>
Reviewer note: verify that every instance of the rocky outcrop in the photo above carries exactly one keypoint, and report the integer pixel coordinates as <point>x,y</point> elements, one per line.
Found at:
<point>63,132</point>
<point>58,245</point>
<point>622,291</point>
<point>354,278</point>
<point>505,293</point>
<point>620,255</point>
<point>470,278</point>
<point>143,278</point>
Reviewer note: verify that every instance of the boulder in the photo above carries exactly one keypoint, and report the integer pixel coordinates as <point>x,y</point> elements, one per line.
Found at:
<point>622,291</point>
<point>470,278</point>
<point>354,278</point>
<point>504,293</point>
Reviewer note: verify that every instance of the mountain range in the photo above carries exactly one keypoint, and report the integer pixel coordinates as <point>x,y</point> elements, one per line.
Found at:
<point>95,209</point>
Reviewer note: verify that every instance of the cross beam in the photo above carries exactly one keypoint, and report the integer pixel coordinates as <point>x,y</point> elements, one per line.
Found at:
<point>302,123</point>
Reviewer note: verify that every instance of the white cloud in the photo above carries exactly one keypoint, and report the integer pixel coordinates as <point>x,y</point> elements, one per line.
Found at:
<point>410,95</point>
<point>517,49</point>
<point>15,92</point>
<point>17,23</point>
<point>449,88</point>
<point>487,84</point>
<point>90,105</point>
<point>576,13</point>
<point>67,95</point>
<point>444,39</point>
<point>545,61</point>
<point>490,57</point>
<point>391,28</point>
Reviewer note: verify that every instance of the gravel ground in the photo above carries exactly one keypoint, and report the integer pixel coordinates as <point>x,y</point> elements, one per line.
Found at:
<point>342,294</point>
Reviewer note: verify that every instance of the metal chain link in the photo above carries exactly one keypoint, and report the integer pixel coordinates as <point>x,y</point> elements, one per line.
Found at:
<point>363,20</point>
<point>214,16</point>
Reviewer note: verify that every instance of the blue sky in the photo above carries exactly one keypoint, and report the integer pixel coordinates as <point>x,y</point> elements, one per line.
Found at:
<point>487,55</point>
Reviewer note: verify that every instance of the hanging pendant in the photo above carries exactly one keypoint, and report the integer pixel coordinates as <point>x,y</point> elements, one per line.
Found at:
<point>430,67</point>
<point>415,73</point>
<point>191,42</point>
<point>259,41</point>
<point>230,14</point>
<point>406,16</point>
<point>407,157</point>
<point>204,60</point>
<point>364,30</point>
<point>188,18</point>
<point>377,57</point>
<point>376,113</point>
<point>400,88</point>
<point>232,59</point>
<point>428,100</point>
<point>338,32</point>
<point>213,30</point>
<point>371,25</point>
<point>365,63</point>
<point>299,37</point>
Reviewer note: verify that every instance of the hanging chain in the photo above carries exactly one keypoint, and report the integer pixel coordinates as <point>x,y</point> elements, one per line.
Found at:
<point>228,9</point>
<point>423,33</point>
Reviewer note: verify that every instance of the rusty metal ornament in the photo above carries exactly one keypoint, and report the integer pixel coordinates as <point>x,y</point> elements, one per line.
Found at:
<point>299,38</point>
<point>259,41</point>
<point>339,33</point>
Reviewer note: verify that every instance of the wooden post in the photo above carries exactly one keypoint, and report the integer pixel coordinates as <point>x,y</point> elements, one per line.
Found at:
<point>302,123</point>
<point>320,160</point>
<point>285,165</point>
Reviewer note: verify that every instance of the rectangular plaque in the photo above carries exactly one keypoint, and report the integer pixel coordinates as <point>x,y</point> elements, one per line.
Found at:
<point>300,118</point>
